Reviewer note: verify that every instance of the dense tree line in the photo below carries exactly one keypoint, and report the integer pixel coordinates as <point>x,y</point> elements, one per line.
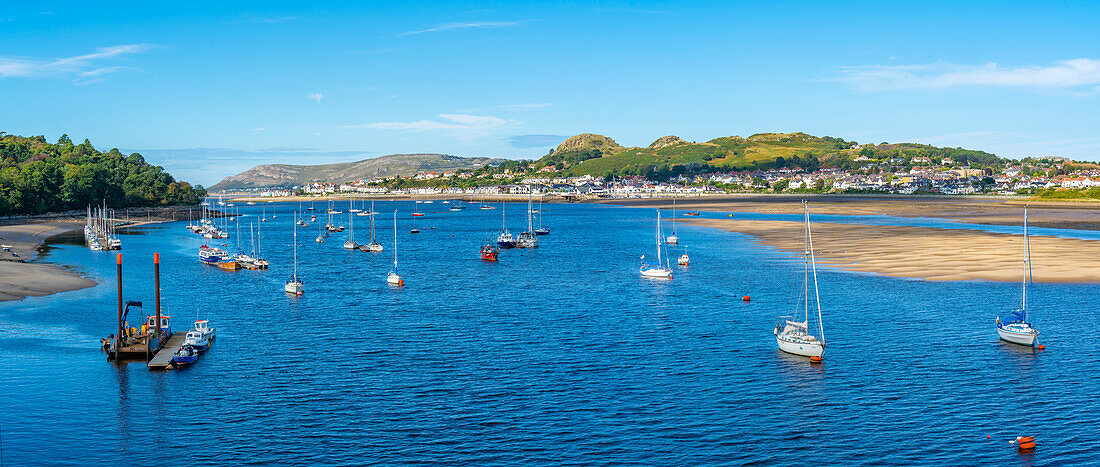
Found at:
<point>38,177</point>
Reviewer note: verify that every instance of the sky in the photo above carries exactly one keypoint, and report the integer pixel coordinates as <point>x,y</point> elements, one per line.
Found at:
<point>208,90</point>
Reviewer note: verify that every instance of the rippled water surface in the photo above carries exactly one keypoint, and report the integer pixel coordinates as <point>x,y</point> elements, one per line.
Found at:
<point>561,354</point>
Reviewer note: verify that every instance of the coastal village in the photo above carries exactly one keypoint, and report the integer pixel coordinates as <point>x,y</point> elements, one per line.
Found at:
<point>919,175</point>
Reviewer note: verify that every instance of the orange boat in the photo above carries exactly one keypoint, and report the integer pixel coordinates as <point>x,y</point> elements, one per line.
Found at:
<point>229,265</point>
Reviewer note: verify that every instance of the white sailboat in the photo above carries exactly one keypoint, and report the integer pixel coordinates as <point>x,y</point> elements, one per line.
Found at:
<point>505,239</point>
<point>673,239</point>
<point>661,270</point>
<point>393,278</point>
<point>350,243</point>
<point>527,239</point>
<point>1016,327</point>
<point>294,285</point>
<point>373,246</point>
<point>794,336</point>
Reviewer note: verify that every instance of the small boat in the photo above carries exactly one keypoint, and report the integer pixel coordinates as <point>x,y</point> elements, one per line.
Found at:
<point>393,278</point>
<point>418,214</point>
<point>94,245</point>
<point>490,252</point>
<point>691,213</point>
<point>373,246</point>
<point>684,260</point>
<point>673,239</point>
<point>251,203</point>
<point>505,239</point>
<point>794,336</point>
<point>203,327</point>
<point>350,244</point>
<point>414,230</point>
<point>485,207</point>
<point>229,265</point>
<point>212,255</point>
<point>301,223</point>
<point>527,238</point>
<point>658,270</point>
<point>197,340</point>
<point>541,230</point>
<point>186,355</point>
<point>294,285</point>
<point>1016,327</point>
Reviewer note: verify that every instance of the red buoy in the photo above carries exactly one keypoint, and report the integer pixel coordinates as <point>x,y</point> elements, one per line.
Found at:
<point>815,359</point>
<point>1025,440</point>
<point>1027,446</point>
<point>1041,347</point>
<point>745,298</point>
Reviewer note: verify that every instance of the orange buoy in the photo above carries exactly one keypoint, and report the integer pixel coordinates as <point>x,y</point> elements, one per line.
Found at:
<point>1027,446</point>
<point>1026,439</point>
<point>815,359</point>
<point>745,298</point>
<point>987,436</point>
<point>1041,347</point>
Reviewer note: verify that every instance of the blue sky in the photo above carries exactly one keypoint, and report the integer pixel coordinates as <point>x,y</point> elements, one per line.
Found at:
<point>210,89</point>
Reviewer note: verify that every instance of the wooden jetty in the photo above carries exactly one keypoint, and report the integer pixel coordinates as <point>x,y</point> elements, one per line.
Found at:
<point>163,359</point>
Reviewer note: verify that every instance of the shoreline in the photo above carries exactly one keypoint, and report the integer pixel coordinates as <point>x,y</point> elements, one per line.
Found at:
<point>927,253</point>
<point>22,277</point>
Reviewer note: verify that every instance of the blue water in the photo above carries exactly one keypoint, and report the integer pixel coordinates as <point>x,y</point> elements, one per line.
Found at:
<point>561,354</point>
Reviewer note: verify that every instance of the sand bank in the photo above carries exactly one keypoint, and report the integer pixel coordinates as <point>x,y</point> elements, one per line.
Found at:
<point>969,209</point>
<point>927,252</point>
<point>19,279</point>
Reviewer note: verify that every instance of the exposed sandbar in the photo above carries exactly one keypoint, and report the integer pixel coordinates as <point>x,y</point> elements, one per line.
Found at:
<point>927,252</point>
<point>18,278</point>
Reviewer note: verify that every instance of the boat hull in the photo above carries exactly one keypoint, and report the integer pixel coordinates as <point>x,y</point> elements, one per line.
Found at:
<point>657,273</point>
<point>294,288</point>
<point>814,349</point>
<point>1019,338</point>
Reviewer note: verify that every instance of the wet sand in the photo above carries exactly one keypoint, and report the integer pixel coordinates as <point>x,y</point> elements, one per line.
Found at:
<point>968,209</point>
<point>927,252</point>
<point>20,279</point>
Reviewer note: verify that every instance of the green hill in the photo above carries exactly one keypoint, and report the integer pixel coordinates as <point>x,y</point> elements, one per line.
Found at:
<point>590,154</point>
<point>38,177</point>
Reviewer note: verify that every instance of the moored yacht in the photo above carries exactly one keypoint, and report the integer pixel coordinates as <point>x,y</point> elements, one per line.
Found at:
<point>794,336</point>
<point>1016,327</point>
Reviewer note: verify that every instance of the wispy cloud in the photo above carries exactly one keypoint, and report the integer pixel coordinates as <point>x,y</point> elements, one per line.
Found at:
<point>80,66</point>
<point>316,96</point>
<point>534,141</point>
<point>466,25</point>
<point>533,105</point>
<point>256,131</point>
<point>471,123</point>
<point>1068,75</point>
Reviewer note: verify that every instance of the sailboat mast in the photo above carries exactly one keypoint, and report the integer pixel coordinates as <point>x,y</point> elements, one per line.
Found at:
<point>673,217</point>
<point>1027,276</point>
<point>395,241</point>
<point>295,248</point>
<point>813,266</point>
<point>658,238</point>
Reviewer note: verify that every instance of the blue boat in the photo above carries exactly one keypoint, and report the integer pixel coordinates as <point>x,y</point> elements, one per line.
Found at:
<point>186,355</point>
<point>213,255</point>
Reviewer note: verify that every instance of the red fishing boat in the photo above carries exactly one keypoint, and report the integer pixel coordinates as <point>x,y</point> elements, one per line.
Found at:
<point>490,252</point>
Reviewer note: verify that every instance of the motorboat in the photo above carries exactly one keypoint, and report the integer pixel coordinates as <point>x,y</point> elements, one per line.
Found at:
<point>197,340</point>
<point>212,255</point>
<point>186,355</point>
<point>490,252</point>
<point>683,260</point>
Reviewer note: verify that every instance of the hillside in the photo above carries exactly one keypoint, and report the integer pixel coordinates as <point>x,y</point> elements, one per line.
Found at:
<point>38,177</point>
<point>287,175</point>
<point>589,154</point>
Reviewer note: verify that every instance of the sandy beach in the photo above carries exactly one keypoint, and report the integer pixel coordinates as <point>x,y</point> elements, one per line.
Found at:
<point>20,279</point>
<point>968,209</point>
<point>926,252</point>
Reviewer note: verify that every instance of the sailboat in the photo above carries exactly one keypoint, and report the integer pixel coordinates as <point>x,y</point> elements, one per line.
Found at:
<point>673,239</point>
<point>1016,327</point>
<point>541,230</point>
<point>321,234</point>
<point>393,278</point>
<point>416,209</point>
<point>794,336</point>
<point>505,240</point>
<point>351,206</point>
<point>294,284</point>
<point>350,243</point>
<point>659,270</point>
<point>527,238</point>
<point>373,246</point>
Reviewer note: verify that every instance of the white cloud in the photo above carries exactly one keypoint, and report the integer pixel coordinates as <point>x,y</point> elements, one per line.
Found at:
<point>80,65</point>
<point>468,25</point>
<point>316,96</point>
<point>534,105</point>
<point>464,122</point>
<point>257,130</point>
<point>1071,75</point>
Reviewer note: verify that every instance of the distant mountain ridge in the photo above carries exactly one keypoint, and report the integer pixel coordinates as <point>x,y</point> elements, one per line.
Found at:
<point>287,175</point>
